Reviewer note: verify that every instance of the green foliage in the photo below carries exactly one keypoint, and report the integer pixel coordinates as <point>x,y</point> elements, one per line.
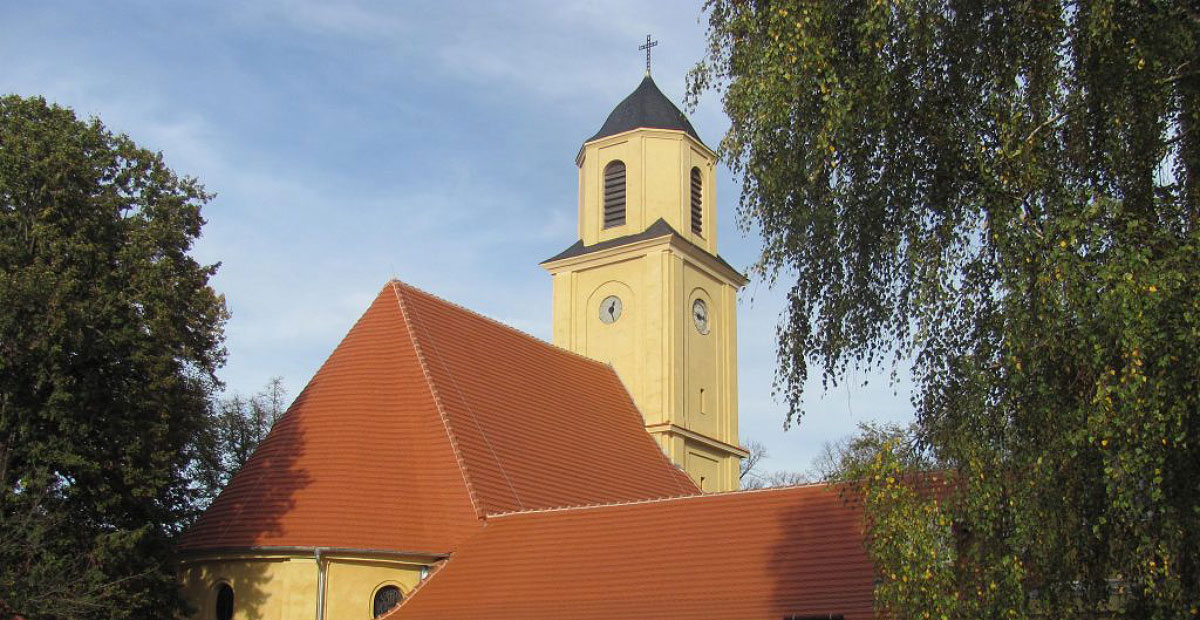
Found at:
<point>845,459</point>
<point>1007,193</point>
<point>911,533</point>
<point>109,339</point>
<point>236,425</point>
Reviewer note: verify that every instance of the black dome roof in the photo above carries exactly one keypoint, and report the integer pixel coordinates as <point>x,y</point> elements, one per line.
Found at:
<point>645,107</point>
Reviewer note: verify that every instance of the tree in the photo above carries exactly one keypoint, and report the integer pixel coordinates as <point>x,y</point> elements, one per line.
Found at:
<point>1007,193</point>
<point>844,460</point>
<point>236,425</point>
<point>751,475</point>
<point>748,468</point>
<point>109,340</point>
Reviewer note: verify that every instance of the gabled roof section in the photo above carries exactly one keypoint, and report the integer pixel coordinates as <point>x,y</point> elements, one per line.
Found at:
<point>362,459</point>
<point>756,555</point>
<point>646,106</point>
<point>426,419</point>
<point>536,426</point>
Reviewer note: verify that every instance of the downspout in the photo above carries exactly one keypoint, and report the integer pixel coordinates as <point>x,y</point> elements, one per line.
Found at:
<point>320,584</point>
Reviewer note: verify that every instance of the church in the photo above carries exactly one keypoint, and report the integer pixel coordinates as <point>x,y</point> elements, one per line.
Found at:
<point>444,466</point>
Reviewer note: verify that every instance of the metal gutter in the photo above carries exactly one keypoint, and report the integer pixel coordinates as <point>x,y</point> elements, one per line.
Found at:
<point>320,584</point>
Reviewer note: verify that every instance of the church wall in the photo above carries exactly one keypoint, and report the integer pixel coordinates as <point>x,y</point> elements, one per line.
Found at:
<point>353,583</point>
<point>710,358</point>
<point>633,344</point>
<point>693,157</point>
<point>283,587</point>
<point>591,210</point>
<point>704,466</point>
<point>677,376</point>
<point>655,347</point>
<point>263,588</point>
<point>658,166</point>
<point>610,342</point>
<point>726,301</point>
<point>663,193</point>
<point>711,470</point>
<point>562,305</point>
<point>703,411</point>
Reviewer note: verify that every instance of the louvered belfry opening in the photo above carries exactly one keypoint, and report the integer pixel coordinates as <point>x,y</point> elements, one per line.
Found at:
<point>614,194</point>
<point>697,201</point>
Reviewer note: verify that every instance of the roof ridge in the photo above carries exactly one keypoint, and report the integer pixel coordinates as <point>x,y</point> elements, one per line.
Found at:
<point>640,419</point>
<point>437,400</point>
<point>657,500</point>
<point>497,322</point>
<point>470,411</point>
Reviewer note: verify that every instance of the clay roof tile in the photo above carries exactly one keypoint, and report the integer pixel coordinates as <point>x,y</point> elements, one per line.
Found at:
<point>426,419</point>
<point>754,555</point>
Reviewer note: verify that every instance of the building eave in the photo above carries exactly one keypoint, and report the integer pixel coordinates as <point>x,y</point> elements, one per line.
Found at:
<point>658,234</point>
<point>193,555</point>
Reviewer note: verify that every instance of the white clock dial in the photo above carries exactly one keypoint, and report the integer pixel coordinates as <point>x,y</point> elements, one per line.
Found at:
<point>610,309</point>
<point>700,315</point>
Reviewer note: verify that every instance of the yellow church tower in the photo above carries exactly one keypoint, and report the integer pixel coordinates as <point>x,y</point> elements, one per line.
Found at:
<point>644,289</point>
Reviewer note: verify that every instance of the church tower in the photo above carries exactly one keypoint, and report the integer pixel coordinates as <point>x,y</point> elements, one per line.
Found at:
<point>644,289</point>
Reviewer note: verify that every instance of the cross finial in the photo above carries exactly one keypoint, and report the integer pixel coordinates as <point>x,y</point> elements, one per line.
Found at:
<point>649,44</point>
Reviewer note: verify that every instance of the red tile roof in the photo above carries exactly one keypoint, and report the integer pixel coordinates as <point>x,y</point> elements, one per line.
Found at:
<point>756,555</point>
<point>360,460</point>
<point>536,425</point>
<point>424,420</point>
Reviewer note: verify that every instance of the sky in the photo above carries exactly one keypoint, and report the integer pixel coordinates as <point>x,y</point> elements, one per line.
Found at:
<point>349,142</point>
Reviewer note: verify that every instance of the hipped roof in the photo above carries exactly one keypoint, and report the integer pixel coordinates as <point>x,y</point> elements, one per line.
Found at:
<point>425,420</point>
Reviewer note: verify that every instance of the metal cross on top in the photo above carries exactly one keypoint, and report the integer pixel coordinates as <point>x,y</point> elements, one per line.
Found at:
<point>649,44</point>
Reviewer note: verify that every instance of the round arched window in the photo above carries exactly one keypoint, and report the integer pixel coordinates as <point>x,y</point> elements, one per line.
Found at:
<point>224,605</point>
<point>386,598</point>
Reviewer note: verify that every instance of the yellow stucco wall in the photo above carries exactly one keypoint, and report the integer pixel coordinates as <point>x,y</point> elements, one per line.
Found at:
<point>714,468</point>
<point>676,374</point>
<point>284,586</point>
<point>683,381</point>
<point>658,165</point>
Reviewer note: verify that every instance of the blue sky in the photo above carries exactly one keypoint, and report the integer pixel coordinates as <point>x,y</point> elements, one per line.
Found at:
<point>349,142</point>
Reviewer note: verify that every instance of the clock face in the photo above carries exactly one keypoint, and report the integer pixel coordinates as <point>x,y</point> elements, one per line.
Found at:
<point>610,309</point>
<point>700,315</point>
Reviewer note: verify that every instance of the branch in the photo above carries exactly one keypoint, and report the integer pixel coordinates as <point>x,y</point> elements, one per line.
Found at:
<point>1171,79</point>
<point>1050,121</point>
<point>1178,75</point>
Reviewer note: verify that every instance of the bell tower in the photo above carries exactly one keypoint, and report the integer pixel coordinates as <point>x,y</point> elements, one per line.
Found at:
<point>644,289</point>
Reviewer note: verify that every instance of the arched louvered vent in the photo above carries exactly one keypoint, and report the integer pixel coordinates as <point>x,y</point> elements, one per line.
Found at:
<point>614,194</point>
<point>697,203</point>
